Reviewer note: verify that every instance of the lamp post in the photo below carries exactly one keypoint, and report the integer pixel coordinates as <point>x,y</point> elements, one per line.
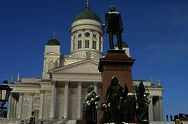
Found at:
<point>4,95</point>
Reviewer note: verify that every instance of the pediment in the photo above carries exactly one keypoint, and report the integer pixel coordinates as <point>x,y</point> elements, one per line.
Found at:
<point>85,66</point>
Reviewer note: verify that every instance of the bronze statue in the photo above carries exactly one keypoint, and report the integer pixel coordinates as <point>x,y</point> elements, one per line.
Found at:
<point>128,106</point>
<point>121,105</point>
<point>32,118</point>
<point>142,101</point>
<point>90,111</point>
<point>114,96</point>
<point>114,26</point>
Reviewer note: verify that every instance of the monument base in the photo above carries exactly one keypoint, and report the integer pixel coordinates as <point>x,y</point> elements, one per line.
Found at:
<point>115,63</point>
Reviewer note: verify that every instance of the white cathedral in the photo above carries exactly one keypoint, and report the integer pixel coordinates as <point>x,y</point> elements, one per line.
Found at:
<point>62,88</point>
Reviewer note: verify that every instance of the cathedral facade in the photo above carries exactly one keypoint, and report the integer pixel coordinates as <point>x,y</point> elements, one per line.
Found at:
<point>62,88</point>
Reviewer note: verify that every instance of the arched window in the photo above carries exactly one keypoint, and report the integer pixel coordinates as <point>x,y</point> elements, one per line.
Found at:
<point>79,35</point>
<point>94,44</point>
<point>86,43</point>
<point>94,35</point>
<point>79,44</point>
<point>100,43</point>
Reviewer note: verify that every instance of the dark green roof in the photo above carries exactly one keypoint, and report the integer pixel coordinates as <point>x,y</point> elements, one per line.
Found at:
<point>53,42</point>
<point>87,14</point>
<point>124,45</point>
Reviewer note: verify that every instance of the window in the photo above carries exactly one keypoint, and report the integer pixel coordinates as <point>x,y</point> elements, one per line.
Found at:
<point>94,44</point>
<point>100,43</point>
<point>94,35</point>
<point>79,35</point>
<point>86,43</point>
<point>73,42</point>
<point>87,34</point>
<point>73,45</point>
<point>79,44</point>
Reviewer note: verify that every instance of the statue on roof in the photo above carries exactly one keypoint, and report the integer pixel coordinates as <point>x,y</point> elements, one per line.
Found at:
<point>114,25</point>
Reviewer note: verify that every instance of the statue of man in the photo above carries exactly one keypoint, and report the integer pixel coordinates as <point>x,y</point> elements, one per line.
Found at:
<point>114,96</point>
<point>90,112</point>
<point>142,101</point>
<point>114,26</point>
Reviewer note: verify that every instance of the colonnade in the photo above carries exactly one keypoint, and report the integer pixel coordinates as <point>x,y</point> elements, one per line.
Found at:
<point>15,106</point>
<point>65,100</point>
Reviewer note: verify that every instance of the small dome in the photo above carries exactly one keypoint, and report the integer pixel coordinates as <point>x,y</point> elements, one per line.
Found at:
<point>124,45</point>
<point>87,14</point>
<point>53,42</point>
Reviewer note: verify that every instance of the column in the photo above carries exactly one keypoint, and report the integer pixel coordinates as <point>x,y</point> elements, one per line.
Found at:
<point>13,107</point>
<point>157,111</point>
<point>41,110</point>
<point>79,111</point>
<point>160,109</point>
<point>66,100</point>
<point>154,108</point>
<point>53,101</point>
<point>17,108</point>
<point>95,87</point>
<point>9,114</point>
<point>20,106</point>
<point>30,104</point>
<point>151,109</point>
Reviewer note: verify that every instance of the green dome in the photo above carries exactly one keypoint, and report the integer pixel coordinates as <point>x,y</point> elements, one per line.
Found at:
<point>53,42</point>
<point>124,45</point>
<point>87,14</point>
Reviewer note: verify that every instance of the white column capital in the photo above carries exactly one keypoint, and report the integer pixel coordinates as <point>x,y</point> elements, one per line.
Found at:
<point>31,94</point>
<point>42,91</point>
<point>21,94</point>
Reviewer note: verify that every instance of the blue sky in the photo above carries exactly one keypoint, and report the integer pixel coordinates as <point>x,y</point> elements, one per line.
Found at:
<point>155,30</point>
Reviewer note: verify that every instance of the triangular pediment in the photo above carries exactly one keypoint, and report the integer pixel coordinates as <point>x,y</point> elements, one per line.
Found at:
<point>85,66</point>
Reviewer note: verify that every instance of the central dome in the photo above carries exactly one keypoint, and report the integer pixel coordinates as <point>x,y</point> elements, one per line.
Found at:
<point>87,14</point>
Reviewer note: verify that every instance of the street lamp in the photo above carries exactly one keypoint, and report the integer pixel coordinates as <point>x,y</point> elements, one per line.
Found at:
<point>4,95</point>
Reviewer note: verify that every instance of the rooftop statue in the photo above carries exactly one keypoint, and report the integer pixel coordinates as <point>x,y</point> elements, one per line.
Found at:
<point>114,25</point>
